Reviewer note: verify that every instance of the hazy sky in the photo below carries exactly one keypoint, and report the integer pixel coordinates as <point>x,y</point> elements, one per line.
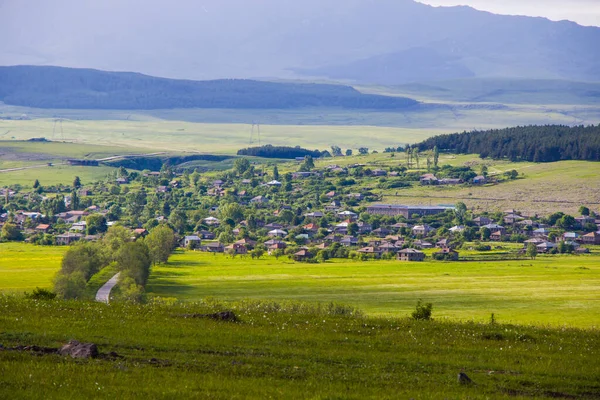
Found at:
<point>584,12</point>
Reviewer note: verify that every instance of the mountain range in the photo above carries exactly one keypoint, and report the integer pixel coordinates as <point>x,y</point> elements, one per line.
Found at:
<point>367,41</point>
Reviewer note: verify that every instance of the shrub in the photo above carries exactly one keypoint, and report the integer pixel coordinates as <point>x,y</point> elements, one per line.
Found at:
<point>40,294</point>
<point>483,247</point>
<point>422,311</point>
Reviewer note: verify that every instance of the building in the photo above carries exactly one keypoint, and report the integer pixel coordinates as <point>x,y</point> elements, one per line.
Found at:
<point>192,241</point>
<point>393,210</point>
<point>68,238</point>
<point>411,255</point>
<point>591,238</point>
<point>446,254</point>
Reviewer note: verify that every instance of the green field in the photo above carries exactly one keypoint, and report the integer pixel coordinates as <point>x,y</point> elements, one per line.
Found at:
<point>549,290</point>
<point>284,351</point>
<point>24,267</point>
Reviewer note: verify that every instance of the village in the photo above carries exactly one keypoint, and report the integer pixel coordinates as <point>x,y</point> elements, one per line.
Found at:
<point>309,215</point>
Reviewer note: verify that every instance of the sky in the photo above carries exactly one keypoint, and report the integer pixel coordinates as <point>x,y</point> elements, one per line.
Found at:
<point>584,12</point>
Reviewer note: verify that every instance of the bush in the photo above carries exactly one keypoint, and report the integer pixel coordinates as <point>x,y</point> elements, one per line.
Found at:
<point>483,247</point>
<point>40,294</point>
<point>422,311</point>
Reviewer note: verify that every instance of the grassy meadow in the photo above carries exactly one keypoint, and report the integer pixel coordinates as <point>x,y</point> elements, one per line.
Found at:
<point>23,267</point>
<point>286,350</point>
<point>548,290</point>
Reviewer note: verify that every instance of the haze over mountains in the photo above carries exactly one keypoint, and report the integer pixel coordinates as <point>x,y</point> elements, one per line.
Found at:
<point>370,41</point>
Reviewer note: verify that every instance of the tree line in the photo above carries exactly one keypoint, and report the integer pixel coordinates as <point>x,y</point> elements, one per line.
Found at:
<point>270,151</point>
<point>117,251</point>
<point>546,143</point>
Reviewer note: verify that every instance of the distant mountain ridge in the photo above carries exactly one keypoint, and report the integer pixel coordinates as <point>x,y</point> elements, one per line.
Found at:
<point>56,87</point>
<point>369,41</point>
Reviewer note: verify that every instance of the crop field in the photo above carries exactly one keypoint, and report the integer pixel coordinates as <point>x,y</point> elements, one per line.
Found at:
<point>24,267</point>
<point>548,290</point>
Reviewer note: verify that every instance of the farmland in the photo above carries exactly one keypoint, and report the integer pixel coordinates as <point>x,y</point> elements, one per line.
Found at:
<point>24,267</point>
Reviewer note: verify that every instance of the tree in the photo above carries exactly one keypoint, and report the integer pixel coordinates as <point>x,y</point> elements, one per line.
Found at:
<point>415,155</point>
<point>567,222</point>
<point>485,233</point>
<point>71,286</point>
<point>134,260</point>
<point>460,212</point>
<point>11,232</point>
<point>348,152</point>
<point>484,170</point>
<point>275,173</point>
<point>116,236</point>
<point>84,257</point>
<point>231,211</point>
<point>95,224</point>
<point>77,182</point>
<point>336,151</point>
<point>352,228</point>
<point>308,164</point>
<point>160,242</point>
<point>286,216</point>
<point>241,165</point>
<point>74,201</point>
<point>583,210</point>
<point>436,156</point>
<point>363,151</point>
<point>36,184</point>
<point>531,251</point>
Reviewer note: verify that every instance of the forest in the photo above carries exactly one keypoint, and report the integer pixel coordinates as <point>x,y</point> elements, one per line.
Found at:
<point>269,151</point>
<point>547,143</point>
<point>68,88</point>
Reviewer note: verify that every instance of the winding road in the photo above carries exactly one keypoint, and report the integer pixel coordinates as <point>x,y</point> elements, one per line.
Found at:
<point>103,294</point>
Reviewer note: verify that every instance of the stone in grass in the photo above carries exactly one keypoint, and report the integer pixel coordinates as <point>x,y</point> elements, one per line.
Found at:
<point>76,349</point>
<point>463,379</point>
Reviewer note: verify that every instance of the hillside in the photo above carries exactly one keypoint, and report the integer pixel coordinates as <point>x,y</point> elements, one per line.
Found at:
<point>383,41</point>
<point>55,87</point>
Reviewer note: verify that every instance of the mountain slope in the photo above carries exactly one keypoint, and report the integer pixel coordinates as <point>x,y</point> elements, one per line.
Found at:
<point>281,38</point>
<point>55,87</point>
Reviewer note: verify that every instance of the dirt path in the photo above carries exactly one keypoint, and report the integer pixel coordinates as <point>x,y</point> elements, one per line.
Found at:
<point>103,294</point>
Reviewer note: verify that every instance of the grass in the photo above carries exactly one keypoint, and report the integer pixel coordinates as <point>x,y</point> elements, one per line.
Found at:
<point>23,267</point>
<point>284,351</point>
<point>548,290</point>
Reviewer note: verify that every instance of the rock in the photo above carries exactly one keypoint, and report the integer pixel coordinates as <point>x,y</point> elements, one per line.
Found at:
<point>463,379</point>
<point>79,350</point>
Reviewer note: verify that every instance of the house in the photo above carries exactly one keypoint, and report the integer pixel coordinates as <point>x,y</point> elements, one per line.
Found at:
<point>218,183</point>
<point>277,233</point>
<point>141,232</point>
<point>237,248</point>
<point>400,225</point>
<point>497,236</point>
<point>122,181</point>
<point>450,181</point>
<point>512,219</point>
<point>411,255</point>
<point>479,180</point>
<point>429,179</point>
<point>42,228</point>
<point>349,241</point>
<point>214,247</point>
<point>274,225</point>
<point>163,189</point>
<point>84,192</point>
<point>302,255</point>
<point>332,238</point>
<point>373,251</point>
<point>422,230</point>
<point>570,236</point>
<point>446,254</point>
<point>68,238</point>
<point>482,221</point>
<point>347,215</point>
<point>388,248</point>
<point>355,196</point>
<point>273,183</point>
<point>420,244</point>
<point>541,233</point>
<point>248,243</point>
<point>495,228</point>
<point>316,214</point>
<point>378,172</point>
<point>212,221</point>
<point>207,235</point>
<point>381,232</point>
<point>442,244</point>
<point>545,247</point>
<point>534,241</point>
<point>457,229</point>
<point>311,228</point>
<point>192,241</point>
<point>591,238</point>
<point>330,194</point>
<point>583,220</point>
<point>259,200</point>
